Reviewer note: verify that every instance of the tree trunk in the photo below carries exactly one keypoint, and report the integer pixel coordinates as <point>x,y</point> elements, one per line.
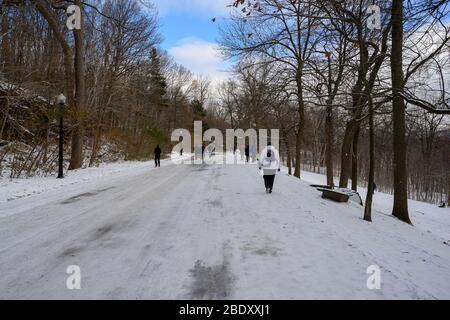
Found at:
<point>448,190</point>
<point>6,56</point>
<point>5,118</point>
<point>300,126</point>
<point>358,101</point>
<point>289,163</point>
<point>371,184</point>
<point>355,160</point>
<point>76,160</point>
<point>400,209</point>
<point>346,153</point>
<point>329,128</point>
<point>329,146</point>
<point>288,150</point>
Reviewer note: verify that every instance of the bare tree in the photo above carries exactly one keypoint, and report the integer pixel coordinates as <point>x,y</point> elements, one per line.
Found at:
<point>282,32</point>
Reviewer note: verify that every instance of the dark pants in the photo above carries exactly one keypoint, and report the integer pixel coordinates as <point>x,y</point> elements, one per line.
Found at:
<point>268,181</point>
<point>157,161</point>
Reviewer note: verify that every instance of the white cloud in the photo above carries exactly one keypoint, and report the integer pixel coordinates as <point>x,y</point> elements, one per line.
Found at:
<point>201,57</point>
<point>210,7</point>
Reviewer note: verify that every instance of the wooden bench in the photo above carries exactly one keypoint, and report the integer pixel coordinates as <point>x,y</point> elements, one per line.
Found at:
<point>334,195</point>
<point>317,186</point>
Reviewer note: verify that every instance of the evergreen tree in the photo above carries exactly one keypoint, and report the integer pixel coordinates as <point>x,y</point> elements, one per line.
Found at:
<point>158,85</point>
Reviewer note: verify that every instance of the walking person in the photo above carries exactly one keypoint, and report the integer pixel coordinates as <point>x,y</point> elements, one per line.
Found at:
<point>157,154</point>
<point>269,163</point>
<point>242,152</point>
<point>247,154</point>
<point>253,153</point>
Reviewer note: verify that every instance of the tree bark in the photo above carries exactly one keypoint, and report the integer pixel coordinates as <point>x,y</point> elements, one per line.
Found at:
<point>289,163</point>
<point>6,56</point>
<point>4,118</point>
<point>76,160</point>
<point>400,209</point>
<point>300,126</point>
<point>355,160</point>
<point>288,150</point>
<point>329,146</point>
<point>329,129</point>
<point>371,184</point>
<point>346,153</point>
<point>448,191</point>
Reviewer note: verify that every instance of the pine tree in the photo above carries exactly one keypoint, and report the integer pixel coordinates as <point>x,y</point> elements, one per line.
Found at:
<point>158,85</point>
<point>198,109</point>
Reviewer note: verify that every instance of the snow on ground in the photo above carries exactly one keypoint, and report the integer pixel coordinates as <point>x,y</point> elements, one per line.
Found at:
<point>12,189</point>
<point>425,216</point>
<point>50,187</point>
<point>210,232</point>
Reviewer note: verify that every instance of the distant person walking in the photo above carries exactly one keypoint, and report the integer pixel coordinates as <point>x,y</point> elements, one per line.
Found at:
<point>247,154</point>
<point>242,152</point>
<point>157,153</point>
<point>269,163</point>
<point>253,153</point>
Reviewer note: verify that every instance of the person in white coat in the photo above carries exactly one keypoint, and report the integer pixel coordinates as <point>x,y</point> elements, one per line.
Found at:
<point>269,163</point>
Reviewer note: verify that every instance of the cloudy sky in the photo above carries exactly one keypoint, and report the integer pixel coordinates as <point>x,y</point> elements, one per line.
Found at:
<point>190,35</point>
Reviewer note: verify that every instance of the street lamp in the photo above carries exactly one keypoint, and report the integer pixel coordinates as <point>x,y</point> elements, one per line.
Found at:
<point>181,140</point>
<point>61,102</point>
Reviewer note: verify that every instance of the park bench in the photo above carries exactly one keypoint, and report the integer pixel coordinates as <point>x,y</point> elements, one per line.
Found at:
<point>334,195</point>
<point>338,194</point>
<point>317,186</point>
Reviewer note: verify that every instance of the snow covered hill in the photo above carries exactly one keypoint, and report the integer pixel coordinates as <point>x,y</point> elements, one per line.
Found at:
<point>210,232</point>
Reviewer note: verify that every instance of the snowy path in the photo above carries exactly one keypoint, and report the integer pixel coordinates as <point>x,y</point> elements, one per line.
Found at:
<point>210,232</point>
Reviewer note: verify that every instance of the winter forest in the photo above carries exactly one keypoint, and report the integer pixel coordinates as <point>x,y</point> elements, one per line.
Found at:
<point>359,91</point>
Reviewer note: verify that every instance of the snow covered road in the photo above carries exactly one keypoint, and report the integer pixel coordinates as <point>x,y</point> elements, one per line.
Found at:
<point>210,232</point>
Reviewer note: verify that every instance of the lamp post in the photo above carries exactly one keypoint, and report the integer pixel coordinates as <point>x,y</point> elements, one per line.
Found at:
<point>181,140</point>
<point>61,102</point>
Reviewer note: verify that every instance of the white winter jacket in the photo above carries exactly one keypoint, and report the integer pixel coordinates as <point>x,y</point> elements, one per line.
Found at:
<point>271,164</point>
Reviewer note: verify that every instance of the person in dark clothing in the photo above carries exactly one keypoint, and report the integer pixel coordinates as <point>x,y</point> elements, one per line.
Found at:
<point>247,154</point>
<point>268,182</point>
<point>157,156</point>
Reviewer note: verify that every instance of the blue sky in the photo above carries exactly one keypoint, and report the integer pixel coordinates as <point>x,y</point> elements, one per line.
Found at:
<point>190,35</point>
<point>177,26</point>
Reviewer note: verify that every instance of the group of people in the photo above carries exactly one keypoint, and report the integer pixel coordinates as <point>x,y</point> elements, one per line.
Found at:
<point>248,151</point>
<point>268,163</point>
